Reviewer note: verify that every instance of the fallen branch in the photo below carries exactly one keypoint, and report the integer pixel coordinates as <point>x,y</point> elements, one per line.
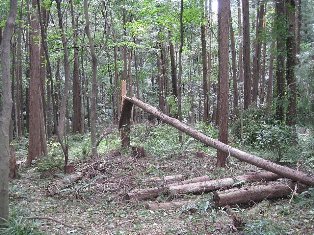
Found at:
<point>105,133</point>
<point>55,220</point>
<point>241,155</point>
<point>211,185</point>
<point>254,194</point>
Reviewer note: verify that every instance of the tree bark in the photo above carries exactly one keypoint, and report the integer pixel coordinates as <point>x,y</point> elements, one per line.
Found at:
<point>5,112</point>
<point>280,66</point>
<point>37,133</point>
<point>223,52</point>
<point>94,81</point>
<point>77,125</point>
<point>254,194</point>
<point>291,63</point>
<point>211,185</point>
<point>246,54</point>
<point>242,156</point>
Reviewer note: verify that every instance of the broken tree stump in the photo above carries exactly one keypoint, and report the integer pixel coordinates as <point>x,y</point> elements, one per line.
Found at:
<point>254,194</point>
<point>211,185</point>
<point>283,171</point>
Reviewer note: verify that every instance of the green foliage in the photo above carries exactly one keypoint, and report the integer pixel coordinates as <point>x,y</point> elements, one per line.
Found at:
<point>54,159</point>
<point>258,128</point>
<point>263,226</point>
<point>18,225</point>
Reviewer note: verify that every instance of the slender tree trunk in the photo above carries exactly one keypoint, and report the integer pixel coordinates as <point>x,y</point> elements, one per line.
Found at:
<point>269,95</point>
<point>179,89</point>
<point>5,113</point>
<point>246,54</point>
<point>173,68</point>
<point>94,81</point>
<point>234,70</point>
<point>205,83</point>
<point>257,55</point>
<point>223,47</point>
<point>291,63</point>
<point>280,67</point>
<point>64,100</point>
<point>77,102</point>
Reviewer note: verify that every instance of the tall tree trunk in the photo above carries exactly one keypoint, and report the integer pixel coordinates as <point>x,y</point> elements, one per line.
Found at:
<point>280,67</point>
<point>77,102</point>
<point>179,89</point>
<point>205,83</point>
<point>94,81</point>
<point>173,68</point>
<point>37,134</point>
<point>246,54</point>
<point>234,70</point>
<point>66,63</point>
<point>291,63</point>
<point>257,55</point>
<point>5,113</point>
<point>223,47</point>
<point>269,95</point>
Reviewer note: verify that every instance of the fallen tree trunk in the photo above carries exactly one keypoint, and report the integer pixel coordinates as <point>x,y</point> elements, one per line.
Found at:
<point>195,180</point>
<point>167,205</point>
<point>64,183</point>
<point>211,185</point>
<point>151,193</point>
<point>144,194</point>
<point>254,194</point>
<point>243,156</point>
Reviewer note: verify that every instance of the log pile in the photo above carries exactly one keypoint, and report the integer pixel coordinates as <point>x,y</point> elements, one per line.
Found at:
<point>222,197</point>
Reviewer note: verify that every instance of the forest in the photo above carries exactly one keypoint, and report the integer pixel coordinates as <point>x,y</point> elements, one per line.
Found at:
<point>156,117</point>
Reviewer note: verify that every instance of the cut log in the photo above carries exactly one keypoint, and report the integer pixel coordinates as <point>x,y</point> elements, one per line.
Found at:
<point>211,185</point>
<point>64,183</point>
<point>167,205</point>
<point>195,180</point>
<point>254,194</point>
<point>241,155</point>
<point>144,194</point>
<point>169,179</point>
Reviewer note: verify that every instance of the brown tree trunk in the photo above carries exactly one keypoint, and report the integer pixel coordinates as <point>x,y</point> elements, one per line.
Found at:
<point>77,102</point>
<point>223,45</point>
<point>246,54</point>
<point>5,113</point>
<point>37,133</point>
<point>269,95</point>
<point>280,66</point>
<point>179,89</point>
<point>257,55</point>
<point>205,83</point>
<point>234,71</point>
<point>94,81</point>
<point>291,63</point>
<point>242,156</point>
<point>254,194</point>
<point>173,68</point>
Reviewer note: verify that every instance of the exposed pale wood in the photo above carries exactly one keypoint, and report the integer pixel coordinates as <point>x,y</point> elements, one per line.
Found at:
<point>144,194</point>
<point>167,205</point>
<point>283,171</point>
<point>195,180</point>
<point>254,194</point>
<point>207,186</point>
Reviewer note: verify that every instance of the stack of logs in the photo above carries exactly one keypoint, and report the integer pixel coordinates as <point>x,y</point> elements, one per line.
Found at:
<point>227,191</point>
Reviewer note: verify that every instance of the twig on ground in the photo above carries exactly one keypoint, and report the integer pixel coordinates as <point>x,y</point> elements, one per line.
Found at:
<point>55,220</point>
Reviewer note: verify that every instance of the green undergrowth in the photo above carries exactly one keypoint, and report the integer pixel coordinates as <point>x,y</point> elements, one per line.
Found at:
<point>19,224</point>
<point>163,140</point>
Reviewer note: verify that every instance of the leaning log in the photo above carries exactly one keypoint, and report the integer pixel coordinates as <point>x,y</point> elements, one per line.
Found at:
<point>254,194</point>
<point>241,155</point>
<point>211,185</point>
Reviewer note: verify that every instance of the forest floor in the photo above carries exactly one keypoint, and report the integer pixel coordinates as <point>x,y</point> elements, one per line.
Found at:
<point>96,204</point>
